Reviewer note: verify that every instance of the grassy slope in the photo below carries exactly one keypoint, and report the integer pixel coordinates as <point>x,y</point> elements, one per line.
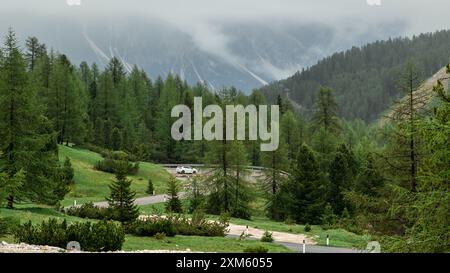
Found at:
<point>92,185</point>
<point>36,214</point>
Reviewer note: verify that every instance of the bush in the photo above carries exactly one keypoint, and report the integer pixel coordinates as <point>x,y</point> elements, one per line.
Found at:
<point>150,189</point>
<point>177,225</point>
<point>90,211</point>
<point>114,160</point>
<point>267,237</point>
<point>8,225</point>
<point>110,166</point>
<point>153,226</point>
<point>101,236</point>
<point>307,228</point>
<point>256,249</point>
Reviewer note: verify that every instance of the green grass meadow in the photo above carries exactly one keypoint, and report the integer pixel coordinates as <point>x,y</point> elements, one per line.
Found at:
<point>92,185</point>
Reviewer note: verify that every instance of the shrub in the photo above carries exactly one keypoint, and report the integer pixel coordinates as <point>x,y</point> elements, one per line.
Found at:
<point>90,211</point>
<point>150,188</point>
<point>173,204</point>
<point>114,160</point>
<point>153,226</point>
<point>177,225</point>
<point>307,228</point>
<point>267,237</point>
<point>8,225</point>
<point>110,165</point>
<point>67,172</point>
<point>256,249</point>
<point>101,236</point>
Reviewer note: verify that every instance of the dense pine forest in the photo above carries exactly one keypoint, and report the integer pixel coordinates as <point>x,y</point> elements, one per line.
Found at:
<point>331,169</point>
<point>365,78</point>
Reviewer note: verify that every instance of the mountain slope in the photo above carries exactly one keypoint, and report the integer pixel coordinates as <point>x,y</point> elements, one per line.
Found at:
<point>365,79</point>
<point>246,55</point>
<point>424,95</point>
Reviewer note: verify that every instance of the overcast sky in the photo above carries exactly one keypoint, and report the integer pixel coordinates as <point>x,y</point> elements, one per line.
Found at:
<point>203,20</point>
<point>421,15</point>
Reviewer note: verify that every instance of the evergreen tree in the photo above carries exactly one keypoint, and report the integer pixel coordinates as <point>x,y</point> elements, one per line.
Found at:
<point>116,139</point>
<point>302,197</point>
<point>23,136</point>
<point>340,175</point>
<point>99,134</point>
<point>290,133</point>
<point>173,204</point>
<point>325,115</point>
<point>34,51</point>
<point>370,180</point>
<point>241,197</point>
<point>66,102</point>
<point>405,145</point>
<point>67,171</point>
<point>107,133</point>
<point>150,189</point>
<point>11,186</point>
<point>121,199</point>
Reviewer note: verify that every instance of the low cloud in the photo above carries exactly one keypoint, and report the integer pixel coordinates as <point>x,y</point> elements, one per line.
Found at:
<point>203,20</point>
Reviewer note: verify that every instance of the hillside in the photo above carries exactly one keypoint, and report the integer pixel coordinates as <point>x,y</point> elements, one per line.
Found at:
<point>93,185</point>
<point>365,79</point>
<point>424,95</point>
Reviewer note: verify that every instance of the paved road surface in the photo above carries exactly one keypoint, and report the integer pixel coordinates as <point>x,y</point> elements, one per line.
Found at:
<point>298,247</point>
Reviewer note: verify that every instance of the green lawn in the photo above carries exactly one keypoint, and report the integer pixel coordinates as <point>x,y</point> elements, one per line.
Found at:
<point>197,243</point>
<point>36,213</point>
<point>92,185</point>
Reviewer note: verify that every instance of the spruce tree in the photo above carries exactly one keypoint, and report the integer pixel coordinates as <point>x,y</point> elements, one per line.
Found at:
<point>173,203</point>
<point>301,198</point>
<point>150,189</point>
<point>67,171</point>
<point>325,113</point>
<point>121,199</point>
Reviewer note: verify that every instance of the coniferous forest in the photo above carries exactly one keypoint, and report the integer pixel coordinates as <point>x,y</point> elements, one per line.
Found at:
<point>335,166</point>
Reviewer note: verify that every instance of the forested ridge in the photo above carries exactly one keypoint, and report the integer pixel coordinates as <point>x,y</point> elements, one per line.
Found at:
<point>392,182</point>
<point>365,78</point>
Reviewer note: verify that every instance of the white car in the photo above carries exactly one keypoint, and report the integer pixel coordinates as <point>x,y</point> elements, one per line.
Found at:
<point>186,170</point>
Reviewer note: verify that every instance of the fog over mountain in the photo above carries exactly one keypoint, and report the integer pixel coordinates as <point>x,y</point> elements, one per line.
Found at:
<point>245,43</point>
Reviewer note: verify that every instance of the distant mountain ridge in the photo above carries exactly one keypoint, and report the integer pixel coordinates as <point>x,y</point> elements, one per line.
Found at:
<point>365,79</point>
<point>246,55</point>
